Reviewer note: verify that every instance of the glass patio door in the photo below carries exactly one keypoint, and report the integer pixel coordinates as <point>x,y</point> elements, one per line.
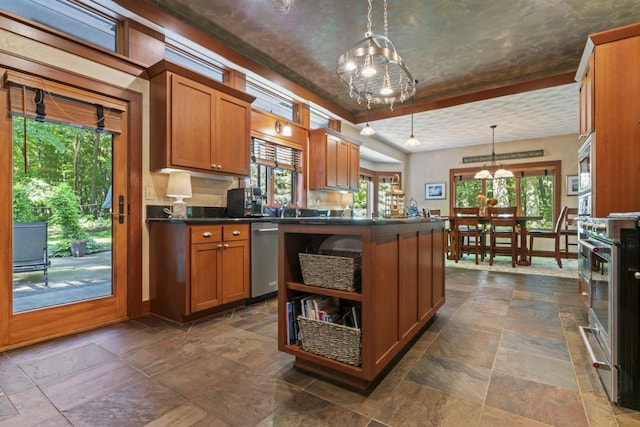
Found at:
<point>62,222</point>
<point>68,223</point>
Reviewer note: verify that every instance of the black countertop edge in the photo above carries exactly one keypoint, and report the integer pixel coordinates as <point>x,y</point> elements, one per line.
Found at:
<point>355,221</point>
<point>213,220</point>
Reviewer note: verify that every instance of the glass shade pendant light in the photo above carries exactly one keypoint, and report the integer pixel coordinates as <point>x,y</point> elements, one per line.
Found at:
<point>412,141</point>
<point>373,70</point>
<point>492,171</point>
<point>367,130</point>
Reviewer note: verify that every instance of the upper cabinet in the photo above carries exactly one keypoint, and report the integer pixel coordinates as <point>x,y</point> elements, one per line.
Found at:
<point>197,123</point>
<point>587,111</point>
<point>334,161</point>
<point>611,61</point>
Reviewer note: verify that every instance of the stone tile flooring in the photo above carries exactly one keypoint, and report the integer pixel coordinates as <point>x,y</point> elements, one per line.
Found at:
<point>504,351</point>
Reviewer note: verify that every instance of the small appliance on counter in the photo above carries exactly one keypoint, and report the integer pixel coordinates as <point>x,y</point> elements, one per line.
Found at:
<point>244,202</point>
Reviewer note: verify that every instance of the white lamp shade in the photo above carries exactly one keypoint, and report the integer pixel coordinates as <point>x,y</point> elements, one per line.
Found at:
<point>179,185</point>
<point>367,130</point>
<point>503,173</point>
<point>412,141</point>
<point>483,174</point>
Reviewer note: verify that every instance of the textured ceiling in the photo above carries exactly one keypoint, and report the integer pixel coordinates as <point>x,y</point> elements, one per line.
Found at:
<point>453,48</point>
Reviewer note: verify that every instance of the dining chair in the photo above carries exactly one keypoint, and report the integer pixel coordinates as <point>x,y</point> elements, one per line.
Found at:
<point>504,233</point>
<point>570,230</point>
<point>549,234</point>
<point>469,235</point>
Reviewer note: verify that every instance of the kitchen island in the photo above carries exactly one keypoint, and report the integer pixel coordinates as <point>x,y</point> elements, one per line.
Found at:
<point>399,289</point>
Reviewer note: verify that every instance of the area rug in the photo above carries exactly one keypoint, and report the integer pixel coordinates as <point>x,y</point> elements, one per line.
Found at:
<point>502,264</point>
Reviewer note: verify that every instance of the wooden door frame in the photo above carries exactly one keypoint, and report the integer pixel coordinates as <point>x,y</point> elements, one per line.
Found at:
<point>133,134</point>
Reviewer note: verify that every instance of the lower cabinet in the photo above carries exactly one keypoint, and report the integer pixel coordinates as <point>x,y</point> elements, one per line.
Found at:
<point>195,269</point>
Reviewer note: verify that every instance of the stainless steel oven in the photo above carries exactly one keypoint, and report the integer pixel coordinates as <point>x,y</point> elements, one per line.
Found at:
<point>604,265</point>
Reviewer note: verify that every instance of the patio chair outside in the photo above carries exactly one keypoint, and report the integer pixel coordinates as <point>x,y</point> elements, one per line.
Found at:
<point>30,248</point>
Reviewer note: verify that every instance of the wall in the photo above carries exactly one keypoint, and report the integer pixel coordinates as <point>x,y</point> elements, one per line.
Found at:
<point>433,166</point>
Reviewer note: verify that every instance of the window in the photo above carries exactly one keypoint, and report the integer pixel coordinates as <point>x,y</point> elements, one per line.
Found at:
<point>276,170</point>
<point>195,64</point>
<point>372,188</point>
<point>535,190</point>
<point>268,101</point>
<point>69,18</point>
<point>318,119</point>
<point>363,199</point>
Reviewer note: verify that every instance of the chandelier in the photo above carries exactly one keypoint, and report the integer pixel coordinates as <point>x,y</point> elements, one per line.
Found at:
<point>492,170</point>
<point>373,69</point>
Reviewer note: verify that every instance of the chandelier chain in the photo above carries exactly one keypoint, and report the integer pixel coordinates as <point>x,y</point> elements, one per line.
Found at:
<point>369,32</point>
<point>386,25</point>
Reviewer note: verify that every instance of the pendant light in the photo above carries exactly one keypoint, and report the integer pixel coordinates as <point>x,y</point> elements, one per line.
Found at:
<point>492,171</point>
<point>367,130</point>
<point>412,141</point>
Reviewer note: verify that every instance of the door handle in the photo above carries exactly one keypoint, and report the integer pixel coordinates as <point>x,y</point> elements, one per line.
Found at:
<point>121,213</point>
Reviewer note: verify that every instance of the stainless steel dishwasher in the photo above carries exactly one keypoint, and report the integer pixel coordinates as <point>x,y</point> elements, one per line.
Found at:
<point>264,261</point>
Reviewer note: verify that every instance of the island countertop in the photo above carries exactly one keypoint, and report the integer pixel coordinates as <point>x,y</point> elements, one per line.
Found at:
<point>355,221</point>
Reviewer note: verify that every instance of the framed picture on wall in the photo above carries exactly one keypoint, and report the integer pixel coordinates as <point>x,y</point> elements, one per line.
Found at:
<point>572,185</point>
<point>434,191</point>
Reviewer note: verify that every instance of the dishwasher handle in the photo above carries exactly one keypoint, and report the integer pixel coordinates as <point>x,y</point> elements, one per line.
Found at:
<point>264,230</point>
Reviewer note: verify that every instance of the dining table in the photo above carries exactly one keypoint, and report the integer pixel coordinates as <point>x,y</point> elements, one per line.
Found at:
<point>521,221</point>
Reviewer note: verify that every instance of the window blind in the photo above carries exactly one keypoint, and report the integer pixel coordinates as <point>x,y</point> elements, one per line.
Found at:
<point>44,100</point>
<point>275,155</point>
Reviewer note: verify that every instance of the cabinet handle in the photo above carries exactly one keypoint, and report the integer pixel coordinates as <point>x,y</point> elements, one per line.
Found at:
<point>213,166</point>
<point>219,166</point>
<point>236,233</point>
<point>226,245</point>
<point>219,246</point>
<point>206,234</point>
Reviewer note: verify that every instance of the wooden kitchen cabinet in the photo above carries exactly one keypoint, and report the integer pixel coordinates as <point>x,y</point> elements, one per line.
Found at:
<point>613,59</point>
<point>586,100</point>
<point>196,269</point>
<point>334,161</point>
<point>198,124</point>
<point>402,287</point>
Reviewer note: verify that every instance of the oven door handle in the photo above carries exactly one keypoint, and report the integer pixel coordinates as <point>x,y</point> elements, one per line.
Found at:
<point>594,360</point>
<point>597,249</point>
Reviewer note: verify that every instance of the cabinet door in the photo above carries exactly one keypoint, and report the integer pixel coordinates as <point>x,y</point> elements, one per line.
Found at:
<point>332,162</point>
<point>438,277</point>
<point>425,268</point>
<point>587,122</point>
<point>408,283</point>
<point>233,136</point>
<point>342,164</point>
<point>192,119</point>
<point>235,271</point>
<point>354,167</point>
<point>205,276</point>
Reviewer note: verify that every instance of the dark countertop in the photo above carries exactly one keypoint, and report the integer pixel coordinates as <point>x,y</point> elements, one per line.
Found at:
<point>214,220</point>
<point>355,221</point>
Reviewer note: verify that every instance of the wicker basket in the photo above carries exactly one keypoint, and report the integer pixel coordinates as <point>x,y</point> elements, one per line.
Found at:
<point>331,340</point>
<point>330,271</point>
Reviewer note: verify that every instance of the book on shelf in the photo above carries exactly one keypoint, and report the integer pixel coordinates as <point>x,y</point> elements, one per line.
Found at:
<point>324,308</point>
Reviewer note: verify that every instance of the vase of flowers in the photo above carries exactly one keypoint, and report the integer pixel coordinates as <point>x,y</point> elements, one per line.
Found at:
<point>482,204</point>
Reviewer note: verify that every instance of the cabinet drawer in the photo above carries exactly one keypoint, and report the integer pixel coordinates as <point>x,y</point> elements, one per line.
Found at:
<point>235,232</point>
<point>206,234</point>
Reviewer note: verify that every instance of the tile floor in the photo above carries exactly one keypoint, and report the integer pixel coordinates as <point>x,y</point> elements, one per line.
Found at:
<point>504,351</point>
